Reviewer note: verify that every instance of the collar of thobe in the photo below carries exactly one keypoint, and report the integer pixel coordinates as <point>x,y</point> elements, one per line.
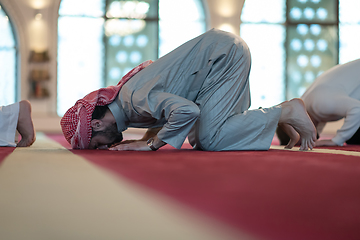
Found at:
<point>119,114</point>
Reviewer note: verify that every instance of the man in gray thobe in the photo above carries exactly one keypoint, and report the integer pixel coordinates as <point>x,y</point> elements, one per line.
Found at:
<point>200,91</point>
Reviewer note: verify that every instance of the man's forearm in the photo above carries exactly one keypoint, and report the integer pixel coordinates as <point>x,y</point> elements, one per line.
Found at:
<point>158,143</point>
<point>151,132</point>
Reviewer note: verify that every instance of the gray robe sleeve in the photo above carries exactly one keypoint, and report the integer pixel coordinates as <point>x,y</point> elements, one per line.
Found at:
<point>180,115</point>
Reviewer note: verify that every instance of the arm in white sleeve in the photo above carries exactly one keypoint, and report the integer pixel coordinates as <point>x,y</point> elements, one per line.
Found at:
<point>350,126</point>
<point>347,107</point>
<point>336,105</point>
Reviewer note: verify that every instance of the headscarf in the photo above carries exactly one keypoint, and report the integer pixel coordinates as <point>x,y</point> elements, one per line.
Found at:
<point>75,123</point>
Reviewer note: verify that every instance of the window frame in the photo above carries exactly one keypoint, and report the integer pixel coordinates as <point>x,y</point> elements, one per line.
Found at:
<point>287,23</point>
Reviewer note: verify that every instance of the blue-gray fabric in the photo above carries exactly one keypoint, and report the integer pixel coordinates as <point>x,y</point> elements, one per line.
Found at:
<point>200,90</point>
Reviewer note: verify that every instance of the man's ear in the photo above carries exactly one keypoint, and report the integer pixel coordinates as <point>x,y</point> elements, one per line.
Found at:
<point>97,125</point>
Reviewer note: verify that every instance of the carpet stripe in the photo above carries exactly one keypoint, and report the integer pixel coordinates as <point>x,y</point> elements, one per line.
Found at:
<point>4,152</point>
<point>274,194</point>
<point>318,150</point>
<point>47,192</point>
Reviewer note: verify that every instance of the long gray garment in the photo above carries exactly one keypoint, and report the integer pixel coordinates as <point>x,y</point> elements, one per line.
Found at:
<point>335,95</point>
<point>199,90</point>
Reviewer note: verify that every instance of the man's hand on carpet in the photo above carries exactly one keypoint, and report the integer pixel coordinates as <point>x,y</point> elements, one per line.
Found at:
<point>127,141</point>
<point>327,142</point>
<point>132,146</point>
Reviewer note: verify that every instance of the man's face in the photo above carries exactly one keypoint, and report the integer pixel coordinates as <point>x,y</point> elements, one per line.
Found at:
<point>105,138</point>
<point>100,142</point>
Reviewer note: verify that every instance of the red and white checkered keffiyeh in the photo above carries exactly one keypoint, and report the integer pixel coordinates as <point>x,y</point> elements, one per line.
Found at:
<point>75,123</point>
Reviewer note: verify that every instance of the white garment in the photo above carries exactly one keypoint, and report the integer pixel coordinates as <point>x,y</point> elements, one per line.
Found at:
<point>335,95</point>
<point>8,122</point>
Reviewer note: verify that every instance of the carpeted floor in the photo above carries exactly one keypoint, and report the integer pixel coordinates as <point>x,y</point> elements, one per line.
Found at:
<point>276,194</point>
<point>4,152</point>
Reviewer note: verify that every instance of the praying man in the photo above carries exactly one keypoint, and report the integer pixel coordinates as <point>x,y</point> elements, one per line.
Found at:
<point>334,95</point>
<point>199,91</point>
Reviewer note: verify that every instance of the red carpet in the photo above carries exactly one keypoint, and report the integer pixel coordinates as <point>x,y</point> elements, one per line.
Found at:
<point>271,194</point>
<point>4,152</point>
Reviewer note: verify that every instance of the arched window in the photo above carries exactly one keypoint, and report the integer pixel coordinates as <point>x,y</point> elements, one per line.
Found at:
<point>7,61</point>
<point>99,41</point>
<point>295,42</point>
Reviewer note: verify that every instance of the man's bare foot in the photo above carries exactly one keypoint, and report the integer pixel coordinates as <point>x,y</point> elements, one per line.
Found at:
<point>291,133</point>
<point>25,125</point>
<point>293,114</point>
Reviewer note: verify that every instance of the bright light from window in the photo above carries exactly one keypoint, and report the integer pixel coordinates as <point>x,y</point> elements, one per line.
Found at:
<point>302,60</point>
<point>129,40</point>
<point>115,40</point>
<point>296,13</point>
<point>309,13</point>
<point>315,61</point>
<point>309,44</point>
<point>7,61</point>
<point>80,59</point>
<point>227,28</point>
<point>322,45</point>
<point>349,11</point>
<point>322,13</point>
<point>302,29</point>
<point>90,8</point>
<point>349,31</point>
<point>252,12</point>
<point>296,44</point>
<point>142,40</point>
<point>172,31</point>
<point>315,29</point>
<point>267,68</point>
<point>135,57</point>
<point>115,73</point>
<point>349,42</point>
<point>86,40</point>
<point>121,56</point>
